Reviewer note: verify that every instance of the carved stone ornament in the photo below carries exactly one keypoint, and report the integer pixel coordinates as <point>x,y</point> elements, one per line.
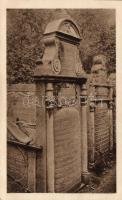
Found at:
<point>92,106</point>
<point>56,66</point>
<point>111,104</point>
<point>68,28</point>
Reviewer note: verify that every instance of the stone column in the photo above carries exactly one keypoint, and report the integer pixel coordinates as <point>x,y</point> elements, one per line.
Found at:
<point>50,137</point>
<point>84,140</point>
<point>111,117</point>
<point>41,139</point>
<point>92,132</point>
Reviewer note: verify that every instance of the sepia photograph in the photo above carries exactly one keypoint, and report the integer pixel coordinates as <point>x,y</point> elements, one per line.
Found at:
<point>61,100</point>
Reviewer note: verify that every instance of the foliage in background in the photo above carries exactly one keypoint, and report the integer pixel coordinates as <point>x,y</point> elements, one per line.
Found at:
<point>25,29</point>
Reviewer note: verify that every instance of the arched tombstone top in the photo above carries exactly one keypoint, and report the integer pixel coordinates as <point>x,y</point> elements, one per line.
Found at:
<point>64,25</point>
<point>99,70</point>
<point>99,63</point>
<point>61,55</point>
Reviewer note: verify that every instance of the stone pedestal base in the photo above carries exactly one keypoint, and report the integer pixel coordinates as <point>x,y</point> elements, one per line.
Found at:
<point>86,177</point>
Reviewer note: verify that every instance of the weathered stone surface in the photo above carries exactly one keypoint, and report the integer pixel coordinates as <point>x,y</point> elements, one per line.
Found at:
<point>17,169</point>
<point>67,149</point>
<point>101,129</point>
<point>21,102</point>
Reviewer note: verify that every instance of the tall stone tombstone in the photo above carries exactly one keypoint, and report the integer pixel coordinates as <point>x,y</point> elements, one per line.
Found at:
<point>61,123</point>
<point>101,122</point>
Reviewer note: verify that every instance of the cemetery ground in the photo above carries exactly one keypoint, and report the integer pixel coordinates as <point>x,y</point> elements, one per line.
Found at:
<point>102,183</point>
